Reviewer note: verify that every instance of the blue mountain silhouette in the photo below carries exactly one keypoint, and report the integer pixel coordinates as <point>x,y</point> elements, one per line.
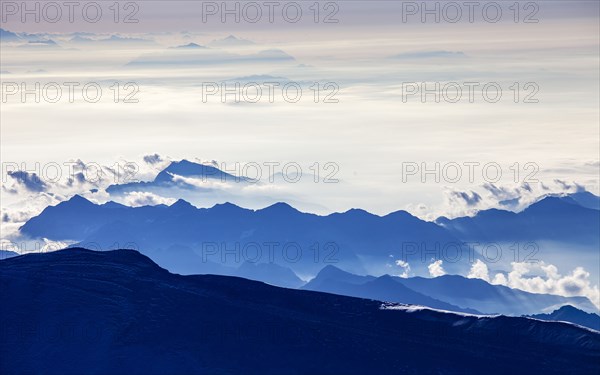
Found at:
<point>269,273</point>
<point>385,288</point>
<point>572,314</point>
<point>552,218</point>
<point>303,242</point>
<point>448,292</point>
<point>166,178</point>
<point>488,298</point>
<point>586,199</point>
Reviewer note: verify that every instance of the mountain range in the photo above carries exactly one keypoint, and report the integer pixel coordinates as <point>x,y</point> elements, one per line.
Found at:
<point>447,292</point>
<point>282,246</point>
<point>568,219</point>
<point>354,239</point>
<point>181,236</point>
<point>333,280</point>
<point>77,311</point>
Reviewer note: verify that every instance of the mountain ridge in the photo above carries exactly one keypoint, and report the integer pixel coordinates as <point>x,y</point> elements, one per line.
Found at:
<point>457,292</point>
<point>337,237</point>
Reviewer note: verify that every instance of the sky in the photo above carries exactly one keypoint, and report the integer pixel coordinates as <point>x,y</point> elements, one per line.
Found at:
<point>371,128</point>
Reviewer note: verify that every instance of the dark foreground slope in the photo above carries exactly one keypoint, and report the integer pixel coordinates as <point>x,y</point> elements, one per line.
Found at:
<point>76,311</point>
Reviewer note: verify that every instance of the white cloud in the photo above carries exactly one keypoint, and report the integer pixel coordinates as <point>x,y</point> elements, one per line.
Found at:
<point>16,213</point>
<point>141,198</point>
<point>203,182</point>
<point>436,269</point>
<point>545,278</point>
<point>50,245</point>
<point>507,196</point>
<point>499,279</point>
<point>405,267</point>
<point>479,270</point>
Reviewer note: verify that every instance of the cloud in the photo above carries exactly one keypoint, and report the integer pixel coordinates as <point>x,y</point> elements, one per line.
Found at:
<point>67,179</point>
<point>208,56</point>
<point>573,187</point>
<point>545,278</point>
<point>15,214</point>
<point>500,279</point>
<point>506,193</point>
<point>139,198</point>
<point>436,269</point>
<point>513,197</point>
<point>479,270</point>
<point>50,245</point>
<point>461,203</point>
<point>469,198</point>
<point>153,159</point>
<point>29,181</point>
<point>405,267</point>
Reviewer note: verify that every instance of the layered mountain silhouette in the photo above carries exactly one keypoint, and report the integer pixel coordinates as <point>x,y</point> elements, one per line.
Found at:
<point>228,235</point>
<point>174,177</point>
<point>585,199</point>
<point>489,298</point>
<point>278,243</point>
<point>220,239</point>
<point>269,273</point>
<point>572,314</point>
<point>385,288</point>
<point>77,311</point>
<point>448,292</point>
<point>561,219</point>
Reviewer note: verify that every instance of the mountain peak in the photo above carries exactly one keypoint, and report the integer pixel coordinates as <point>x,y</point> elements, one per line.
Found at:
<point>400,214</point>
<point>78,200</point>
<point>331,270</point>
<point>182,162</point>
<point>358,211</point>
<point>568,308</point>
<point>188,168</point>
<point>553,205</point>
<point>190,46</point>
<point>113,204</point>
<point>568,313</point>
<point>226,206</point>
<point>279,207</point>
<point>182,204</point>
